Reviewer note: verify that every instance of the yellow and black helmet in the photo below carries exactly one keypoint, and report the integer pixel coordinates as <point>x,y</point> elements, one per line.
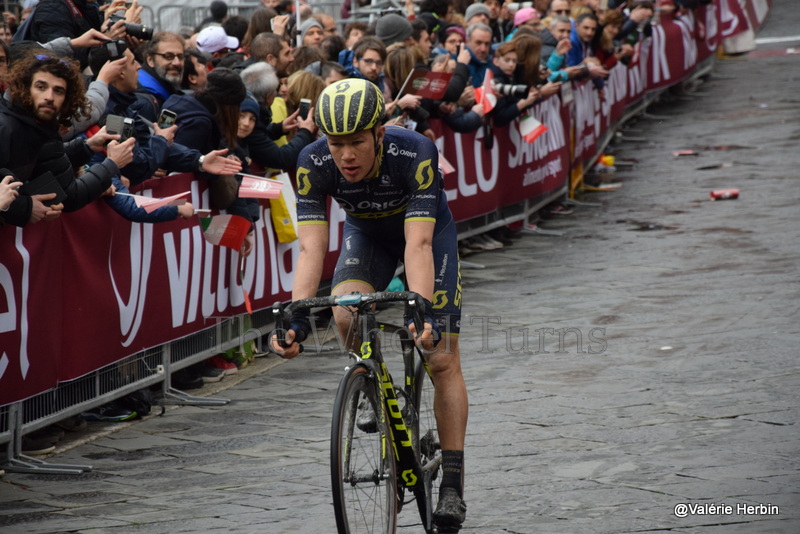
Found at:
<point>349,106</point>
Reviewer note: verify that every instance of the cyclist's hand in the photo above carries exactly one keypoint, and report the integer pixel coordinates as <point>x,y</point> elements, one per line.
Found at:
<point>430,335</point>
<point>291,351</point>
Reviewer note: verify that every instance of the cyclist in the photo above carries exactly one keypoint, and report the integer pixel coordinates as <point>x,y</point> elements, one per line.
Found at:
<point>388,182</point>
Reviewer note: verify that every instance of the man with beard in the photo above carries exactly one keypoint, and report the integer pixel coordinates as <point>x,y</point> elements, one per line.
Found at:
<point>45,93</point>
<point>272,49</point>
<point>161,74</point>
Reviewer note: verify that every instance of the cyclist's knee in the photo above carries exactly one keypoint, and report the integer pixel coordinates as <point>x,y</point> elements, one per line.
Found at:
<point>446,358</point>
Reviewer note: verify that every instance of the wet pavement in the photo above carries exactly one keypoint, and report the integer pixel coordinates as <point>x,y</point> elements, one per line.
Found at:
<point>638,373</point>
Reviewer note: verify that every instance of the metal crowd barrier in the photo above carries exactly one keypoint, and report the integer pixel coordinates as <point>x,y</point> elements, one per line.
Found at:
<point>141,370</point>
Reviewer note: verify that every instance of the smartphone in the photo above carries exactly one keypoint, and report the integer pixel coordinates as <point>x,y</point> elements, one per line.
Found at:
<point>167,118</point>
<point>114,124</point>
<point>116,49</point>
<point>305,105</point>
<point>127,129</point>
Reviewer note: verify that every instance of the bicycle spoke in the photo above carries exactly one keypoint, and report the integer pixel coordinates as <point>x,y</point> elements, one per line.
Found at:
<point>363,470</point>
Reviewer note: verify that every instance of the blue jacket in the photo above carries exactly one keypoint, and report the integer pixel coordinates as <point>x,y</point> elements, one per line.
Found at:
<point>126,206</point>
<point>197,127</point>
<point>477,69</point>
<point>579,51</point>
<point>160,89</point>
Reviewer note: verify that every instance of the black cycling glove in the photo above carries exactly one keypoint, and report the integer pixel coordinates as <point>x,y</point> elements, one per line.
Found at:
<point>429,317</point>
<point>301,324</point>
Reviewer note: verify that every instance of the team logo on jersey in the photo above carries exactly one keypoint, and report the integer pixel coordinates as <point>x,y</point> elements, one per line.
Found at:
<point>303,181</point>
<point>320,161</point>
<point>440,299</point>
<point>386,180</point>
<point>424,174</point>
<point>394,150</point>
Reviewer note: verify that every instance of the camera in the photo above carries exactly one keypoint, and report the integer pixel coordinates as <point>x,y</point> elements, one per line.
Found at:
<point>116,49</point>
<point>510,89</point>
<point>140,31</point>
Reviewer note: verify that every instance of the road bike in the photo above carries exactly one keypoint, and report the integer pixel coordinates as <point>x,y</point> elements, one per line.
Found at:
<point>384,441</point>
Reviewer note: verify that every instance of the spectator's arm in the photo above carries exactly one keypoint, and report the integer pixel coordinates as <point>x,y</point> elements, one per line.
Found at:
<point>97,94</point>
<point>266,153</point>
<point>457,83</point>
<point>127,208</point>
<point>90,185</point>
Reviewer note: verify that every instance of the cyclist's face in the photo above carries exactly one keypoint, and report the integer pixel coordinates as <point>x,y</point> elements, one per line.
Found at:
<point>354,154</point>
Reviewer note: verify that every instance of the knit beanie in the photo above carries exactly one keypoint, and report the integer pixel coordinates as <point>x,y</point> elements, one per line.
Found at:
<point>393,28</point>
<point>225,87</point>
<point>307,25</point>
<point>249,104</point>
<point>475,9</point>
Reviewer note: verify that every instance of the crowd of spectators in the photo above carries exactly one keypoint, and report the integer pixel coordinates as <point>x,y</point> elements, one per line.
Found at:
<point>236,84</point>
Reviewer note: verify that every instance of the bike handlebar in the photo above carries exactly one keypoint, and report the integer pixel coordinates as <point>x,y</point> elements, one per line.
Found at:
<point>415,305</point>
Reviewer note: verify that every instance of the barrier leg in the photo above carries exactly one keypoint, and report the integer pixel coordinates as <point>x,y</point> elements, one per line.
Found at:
<point>172,396</point>
<point>17,462</point>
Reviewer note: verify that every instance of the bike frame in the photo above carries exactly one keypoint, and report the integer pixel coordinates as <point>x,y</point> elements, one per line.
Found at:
<point>409,469</point>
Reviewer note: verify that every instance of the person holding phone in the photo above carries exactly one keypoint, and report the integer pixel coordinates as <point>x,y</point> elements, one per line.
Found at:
<point>45,93</point>
<point>8,192</point>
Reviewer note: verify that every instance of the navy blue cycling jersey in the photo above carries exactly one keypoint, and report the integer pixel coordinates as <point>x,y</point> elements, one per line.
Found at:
<point>407,186</point>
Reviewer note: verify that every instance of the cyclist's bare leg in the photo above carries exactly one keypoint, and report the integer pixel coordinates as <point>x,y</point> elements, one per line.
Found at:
<point>450,405</point>
<point>450,393</point>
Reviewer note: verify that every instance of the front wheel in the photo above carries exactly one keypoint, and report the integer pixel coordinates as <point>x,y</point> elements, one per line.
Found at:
<point>363,471</point>
<point>427,446</point>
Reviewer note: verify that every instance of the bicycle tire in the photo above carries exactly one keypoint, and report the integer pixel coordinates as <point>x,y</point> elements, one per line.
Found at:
<point>363,469</point>
<point>427,445</point>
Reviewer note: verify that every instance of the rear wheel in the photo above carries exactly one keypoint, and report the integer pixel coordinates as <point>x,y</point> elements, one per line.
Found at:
<point>428,446</point>
<point>363,472</point>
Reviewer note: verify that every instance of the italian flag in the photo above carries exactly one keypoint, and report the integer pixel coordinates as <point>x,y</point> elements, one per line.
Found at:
<point>225,230</point>
<point>530,128</point>
<point>485,93</point>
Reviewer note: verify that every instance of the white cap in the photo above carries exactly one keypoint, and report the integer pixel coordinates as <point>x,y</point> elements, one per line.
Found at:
<point>213,39</point>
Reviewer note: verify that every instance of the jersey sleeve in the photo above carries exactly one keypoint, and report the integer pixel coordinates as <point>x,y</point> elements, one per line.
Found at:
<point>312,191</point>
<point>424,182</point>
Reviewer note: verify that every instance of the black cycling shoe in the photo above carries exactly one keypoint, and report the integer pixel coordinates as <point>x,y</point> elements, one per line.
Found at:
<point>450,512</point>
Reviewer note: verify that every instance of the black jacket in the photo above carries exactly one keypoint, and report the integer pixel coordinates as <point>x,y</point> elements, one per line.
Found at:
<point>31,148</point>
<point>64,18</point>
<point>265,152</point>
